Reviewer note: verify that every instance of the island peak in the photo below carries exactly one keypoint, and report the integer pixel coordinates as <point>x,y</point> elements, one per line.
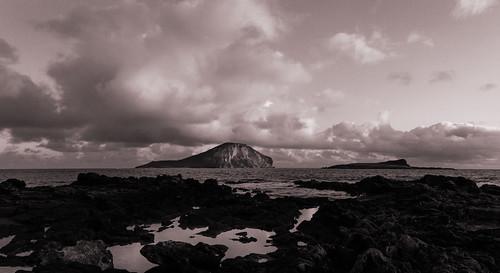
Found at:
<point>226,155</point>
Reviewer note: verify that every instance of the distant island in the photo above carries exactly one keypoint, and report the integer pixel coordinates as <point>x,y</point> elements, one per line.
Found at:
<point>391,164</point>
<point>227,155</point>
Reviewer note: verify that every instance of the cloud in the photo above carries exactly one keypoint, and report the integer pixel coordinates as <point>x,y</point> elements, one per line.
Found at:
<point>8,53</point>
<point>442,76</point>
<point>466,8</point>
<point>173,69</point>
<point>446,143</point>
<point>417,38</point>
<point>440,144</point>
<point>165,79</point>
<point>488,87</point>
<point>28,110</point>
<point>360,48</point>
<point>403,78</point>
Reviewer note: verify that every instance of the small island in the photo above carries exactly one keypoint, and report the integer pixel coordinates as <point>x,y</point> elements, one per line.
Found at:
<point>226,155</point>
<point>391,164</point>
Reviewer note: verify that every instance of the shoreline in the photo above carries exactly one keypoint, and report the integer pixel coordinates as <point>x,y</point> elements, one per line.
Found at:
<point>434,223</point>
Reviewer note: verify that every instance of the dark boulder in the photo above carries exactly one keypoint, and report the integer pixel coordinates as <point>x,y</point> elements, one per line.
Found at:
<point>12,184</point>
<point>184,257</point>
<point>91,179</point>
<point>254,263</point>
<point>450,183</point>
<point>377,185</point>
<point>373,261</point>
<point>73,268</point>
<point>491,189</point>
<point>92,253</point>
<point>244,238</point>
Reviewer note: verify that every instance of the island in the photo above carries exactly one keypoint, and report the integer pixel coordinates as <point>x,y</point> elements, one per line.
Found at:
<point>391,164</point>
<point>226,155</point>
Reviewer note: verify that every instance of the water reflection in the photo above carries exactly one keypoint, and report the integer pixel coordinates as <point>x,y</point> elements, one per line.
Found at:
<point>305,215</point>
<point>128,257</point>
<point>6,240</point>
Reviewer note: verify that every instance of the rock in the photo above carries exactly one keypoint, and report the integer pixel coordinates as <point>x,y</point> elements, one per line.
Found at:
<point>251,263</point>
<point>373,261</point>
<point>491,189</point>
<point>92,253</point>
<point>433,224</point>
<point>407,248</point>
<point>378,184</point>
<point>91,179</point>
<point>227,155</point>
<point>450,183</point>
<point>243,238</point>
<point>73,268</point>
<point>182,256</point>
<point>12,184</point>
<point>312,258</point>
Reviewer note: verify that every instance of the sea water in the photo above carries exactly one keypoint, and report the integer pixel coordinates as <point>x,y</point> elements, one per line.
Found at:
<point>276,181</point>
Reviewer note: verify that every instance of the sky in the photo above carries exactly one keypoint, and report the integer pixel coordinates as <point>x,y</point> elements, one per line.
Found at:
<point>117,83</point>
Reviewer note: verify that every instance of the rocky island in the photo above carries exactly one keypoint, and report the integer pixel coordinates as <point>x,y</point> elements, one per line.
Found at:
<point>227,155</point>
<point>392,164</point>
<point>432,224</point>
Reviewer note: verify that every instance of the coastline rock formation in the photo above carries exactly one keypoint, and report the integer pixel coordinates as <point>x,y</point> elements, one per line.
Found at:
<point>391,164</point>
<point>227,155</point>
<point>432,224</point>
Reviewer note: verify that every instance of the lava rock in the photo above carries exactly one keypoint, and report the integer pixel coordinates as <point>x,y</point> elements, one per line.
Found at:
<point>373,261</point>
<point>183,256</point>
<point>491,189</point>
<point>91,179</point>
<point>12,184</point>
<point>92,253</point>
<point>450,183</point>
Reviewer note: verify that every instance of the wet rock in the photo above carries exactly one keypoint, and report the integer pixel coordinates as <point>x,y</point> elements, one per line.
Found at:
<point>312,259</point>
<point>91,179</point>
<point>373,261</point>
<point>254,263</point>
<point>433,224</point>
<point>92,253</point>
<point>491,189</point>
<point>407,247</point>
<point>73,268</point>
<point>183,256</point>
<point>450,183</point>
<point>244,238</point>
<point>377,184</point>
<point>11,185</point>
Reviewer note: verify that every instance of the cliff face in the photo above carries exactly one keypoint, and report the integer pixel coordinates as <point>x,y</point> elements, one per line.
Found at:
<point>227,155</point>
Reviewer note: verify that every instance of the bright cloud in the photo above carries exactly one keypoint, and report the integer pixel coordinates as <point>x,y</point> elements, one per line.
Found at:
<point>360,48</point>
<point>465,8</point>
<point>417,38</point>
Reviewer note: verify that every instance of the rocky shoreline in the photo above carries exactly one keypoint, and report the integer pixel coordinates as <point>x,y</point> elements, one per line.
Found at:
<point>434,224</point>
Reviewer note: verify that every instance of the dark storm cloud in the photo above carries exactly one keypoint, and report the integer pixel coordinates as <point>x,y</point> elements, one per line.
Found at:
<point>7,52</point>
<point>155,77</point>
<point>403,78</point>
<point>442,76</point>
<point>27,109</point>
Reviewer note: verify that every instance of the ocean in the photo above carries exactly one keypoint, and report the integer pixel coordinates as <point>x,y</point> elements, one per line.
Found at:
<point>276,182</point>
